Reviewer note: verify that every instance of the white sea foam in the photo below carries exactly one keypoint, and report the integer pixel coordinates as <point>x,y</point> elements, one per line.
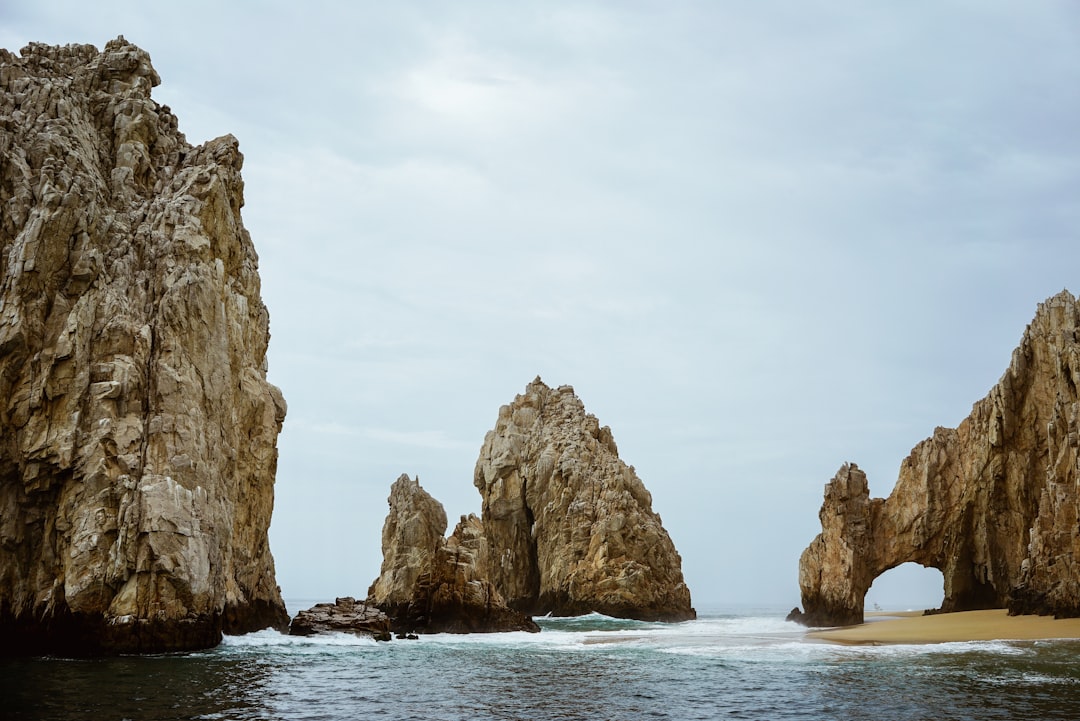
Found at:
<point>1013,679</point>
<point>735,637</point>
<point>269,637</point>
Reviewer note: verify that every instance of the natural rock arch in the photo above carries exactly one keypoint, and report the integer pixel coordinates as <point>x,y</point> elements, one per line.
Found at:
<point>991,503</point>
<point>864,537</point>
<point>908,586</point>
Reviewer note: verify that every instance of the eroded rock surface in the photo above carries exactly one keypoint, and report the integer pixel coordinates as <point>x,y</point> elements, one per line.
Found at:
<point>137,429</point>
<point>570,527</point>
<point>433,584</point>
<point>344,615</point>
<point>991,503</point>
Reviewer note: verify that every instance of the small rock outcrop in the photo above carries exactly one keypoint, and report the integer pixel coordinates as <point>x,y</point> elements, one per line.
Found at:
<point>344,615</point>
<point>137,428</point>
<point>991,503</point>
<point>432,584</point>
<point>570,528</point>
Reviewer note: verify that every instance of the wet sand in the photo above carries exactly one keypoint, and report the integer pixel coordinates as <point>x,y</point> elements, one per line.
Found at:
<point>912,627</point>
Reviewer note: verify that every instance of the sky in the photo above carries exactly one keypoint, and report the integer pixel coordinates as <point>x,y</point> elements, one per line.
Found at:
<point>759,240</point>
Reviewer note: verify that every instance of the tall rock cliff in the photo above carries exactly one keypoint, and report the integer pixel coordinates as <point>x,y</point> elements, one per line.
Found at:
<point>991,503</point>
<point>137,428</point>
<point>434,584</point>
<point>570,527</point>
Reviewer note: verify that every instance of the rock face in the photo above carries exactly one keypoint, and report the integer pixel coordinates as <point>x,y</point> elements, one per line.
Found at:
<point>991,503</point>
<point>570,527</point>
<point>344,615</point>
<point>433,584</point>
<point>137,428</point>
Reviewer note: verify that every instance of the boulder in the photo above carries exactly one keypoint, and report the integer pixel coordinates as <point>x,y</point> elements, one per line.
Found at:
<point>345,615</point>
<point>137,428</point>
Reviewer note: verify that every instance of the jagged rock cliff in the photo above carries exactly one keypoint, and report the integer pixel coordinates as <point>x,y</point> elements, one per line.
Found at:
<point>570,527</point>
<point>991,503</point>
<point>434,584</point>
<point>137,428</point>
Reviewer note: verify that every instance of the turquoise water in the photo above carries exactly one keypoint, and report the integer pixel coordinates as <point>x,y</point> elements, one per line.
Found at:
<point>748,665</point>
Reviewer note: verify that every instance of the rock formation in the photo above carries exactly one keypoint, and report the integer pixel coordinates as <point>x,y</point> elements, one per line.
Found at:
<point>433,584</point>
<point>991,503</point>
<point>344,615</point>
<point>137,428</point>
<point>570,527</point>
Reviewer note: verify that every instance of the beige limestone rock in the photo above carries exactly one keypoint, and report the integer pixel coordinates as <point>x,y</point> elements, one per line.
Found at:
<point>412,534</point>
<point>991,503</point>
<point>138,443</point>
<point>434,584</point>
<point>570,527</point>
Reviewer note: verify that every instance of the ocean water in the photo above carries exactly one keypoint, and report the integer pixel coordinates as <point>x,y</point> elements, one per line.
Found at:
<point>749,664</point>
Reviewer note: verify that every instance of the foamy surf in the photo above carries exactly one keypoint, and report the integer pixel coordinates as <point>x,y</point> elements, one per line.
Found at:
<point>718,666</point>
<point>718,636</point>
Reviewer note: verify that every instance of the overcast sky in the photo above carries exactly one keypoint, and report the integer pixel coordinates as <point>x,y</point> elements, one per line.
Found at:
<point>759,239</point>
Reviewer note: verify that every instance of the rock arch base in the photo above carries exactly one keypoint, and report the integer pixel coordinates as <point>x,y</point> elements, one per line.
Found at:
<point>991,503</point>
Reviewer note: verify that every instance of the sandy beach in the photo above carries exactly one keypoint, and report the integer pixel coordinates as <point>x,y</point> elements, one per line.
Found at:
<point>908,627</point>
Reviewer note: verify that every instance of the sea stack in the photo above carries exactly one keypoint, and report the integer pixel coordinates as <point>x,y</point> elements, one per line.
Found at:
<point>570,527</point>
<point>567,529</point>
<point>992,503</point>
<point>139,430</point>
<point>433,584</point>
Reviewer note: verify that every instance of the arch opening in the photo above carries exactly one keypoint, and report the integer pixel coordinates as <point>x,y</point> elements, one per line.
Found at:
<point>907,587</point>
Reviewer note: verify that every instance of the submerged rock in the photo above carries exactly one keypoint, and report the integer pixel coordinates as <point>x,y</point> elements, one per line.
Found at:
<point>139,431</point>
<point>570,528</point>
<point>433,584</point>
<point>345,615</point>
<point>992,503</point>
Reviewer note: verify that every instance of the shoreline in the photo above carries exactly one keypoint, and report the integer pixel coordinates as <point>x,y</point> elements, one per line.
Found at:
<point>906,627</point>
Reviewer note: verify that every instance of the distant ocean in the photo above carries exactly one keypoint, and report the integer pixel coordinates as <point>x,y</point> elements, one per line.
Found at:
<point>748,664</point>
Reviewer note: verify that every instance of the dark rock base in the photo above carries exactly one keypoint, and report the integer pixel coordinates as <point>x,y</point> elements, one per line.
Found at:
<point>458,618</point>
<point>562,605</point>
<point>79,635</point>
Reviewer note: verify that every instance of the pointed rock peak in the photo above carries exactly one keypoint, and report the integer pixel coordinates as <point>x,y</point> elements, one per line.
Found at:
<point>404,483</point>
<point>570,527</point>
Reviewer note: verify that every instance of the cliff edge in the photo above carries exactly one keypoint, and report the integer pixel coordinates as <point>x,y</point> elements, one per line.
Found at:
<point>137,428</point>
<point>992,503</point>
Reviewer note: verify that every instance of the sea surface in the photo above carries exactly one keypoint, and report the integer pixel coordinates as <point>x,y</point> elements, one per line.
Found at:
<point>742,664</point>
